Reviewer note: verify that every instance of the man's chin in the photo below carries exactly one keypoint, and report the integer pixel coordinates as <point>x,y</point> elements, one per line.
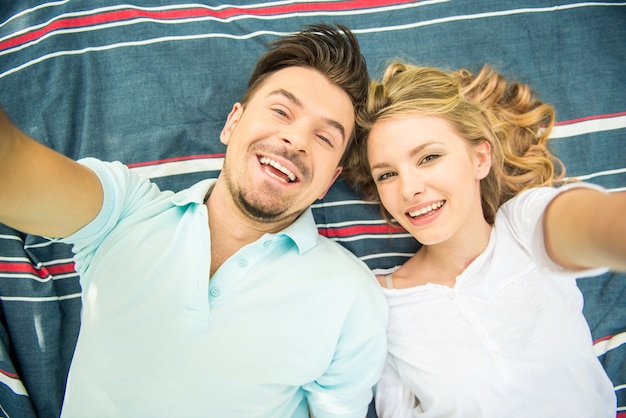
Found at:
<point>262,211</point>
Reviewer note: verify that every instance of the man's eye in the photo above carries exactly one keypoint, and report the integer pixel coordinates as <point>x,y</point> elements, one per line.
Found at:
<point>326,140</point>
<point>280,112</point>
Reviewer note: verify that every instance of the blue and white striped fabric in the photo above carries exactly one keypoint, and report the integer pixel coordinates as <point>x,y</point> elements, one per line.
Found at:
<point>150,82</point>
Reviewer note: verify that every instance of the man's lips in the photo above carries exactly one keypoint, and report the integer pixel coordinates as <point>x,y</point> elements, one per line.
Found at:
<point>276,170</point>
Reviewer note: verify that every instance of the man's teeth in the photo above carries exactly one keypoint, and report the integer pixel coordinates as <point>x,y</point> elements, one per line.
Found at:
<point>425,210</point>
<point>277,166</point>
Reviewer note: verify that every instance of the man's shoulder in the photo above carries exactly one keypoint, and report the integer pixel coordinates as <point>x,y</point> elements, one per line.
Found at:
<point>339,258</point>
<point>327,244</point>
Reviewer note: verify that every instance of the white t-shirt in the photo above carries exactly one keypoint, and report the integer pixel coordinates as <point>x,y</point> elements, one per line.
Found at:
<point>508,340</point>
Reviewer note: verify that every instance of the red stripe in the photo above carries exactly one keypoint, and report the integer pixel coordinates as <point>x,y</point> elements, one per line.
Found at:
<point>6,267</point>
<point>593,117</point>
<point>608,337</point>
<point>360,230</point>
<point>62,268</point>
<point>122,15</point>
<point>170,160</point>
<point>9,374</point>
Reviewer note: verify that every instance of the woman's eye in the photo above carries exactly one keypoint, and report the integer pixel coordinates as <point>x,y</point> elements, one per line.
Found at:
<point>429,158</point>
<point>384,176</point>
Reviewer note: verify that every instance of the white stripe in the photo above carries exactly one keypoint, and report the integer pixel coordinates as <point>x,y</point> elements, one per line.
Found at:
<point>46,279</point>
<point>12,237</point>
<point>57,261</point>
<point>601,173</point>
<point>14,384</point>
<point>588,126</point>
<point>357,222</point>
<point>45,263</point>
<point>180,167</point>
<point>27,11</point>
<point>485,15</point>
<point>383,255</point>
<point>57,277</point>
<point>602,347</point>
<point>369,236</point>
<point>42,299</point>
<point>16,259</point>
<point>341,203</point>
<point>42,244</point>
<point>26,276</point>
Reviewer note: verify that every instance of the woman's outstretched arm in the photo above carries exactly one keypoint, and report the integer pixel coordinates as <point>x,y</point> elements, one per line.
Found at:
<point>587,228</point>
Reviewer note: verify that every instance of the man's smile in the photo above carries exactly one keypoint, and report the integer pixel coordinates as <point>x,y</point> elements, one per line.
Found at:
<point>276,170</point>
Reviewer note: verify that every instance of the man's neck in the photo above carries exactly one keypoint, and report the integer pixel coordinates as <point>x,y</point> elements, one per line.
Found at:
<point>230,228</point>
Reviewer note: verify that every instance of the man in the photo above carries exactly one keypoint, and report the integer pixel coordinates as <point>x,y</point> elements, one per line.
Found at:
<point>220,300</point>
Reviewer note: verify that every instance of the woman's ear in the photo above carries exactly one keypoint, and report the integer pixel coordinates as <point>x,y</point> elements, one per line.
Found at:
<point>231,122</point>
<point>483,159</point>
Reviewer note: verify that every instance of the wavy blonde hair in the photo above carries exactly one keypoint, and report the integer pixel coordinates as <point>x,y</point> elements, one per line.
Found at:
<point>485,107</point>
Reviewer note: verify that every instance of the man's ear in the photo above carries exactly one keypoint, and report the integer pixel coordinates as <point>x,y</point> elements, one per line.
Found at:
<point>483,159</point>
<point>337,172</point>
<point>231,122</point>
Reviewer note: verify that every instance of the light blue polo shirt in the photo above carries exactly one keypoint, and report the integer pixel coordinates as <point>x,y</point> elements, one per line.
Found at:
<point>290,319</point>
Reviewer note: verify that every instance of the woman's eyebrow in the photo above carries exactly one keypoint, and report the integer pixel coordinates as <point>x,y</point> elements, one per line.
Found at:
<point>412,153</point>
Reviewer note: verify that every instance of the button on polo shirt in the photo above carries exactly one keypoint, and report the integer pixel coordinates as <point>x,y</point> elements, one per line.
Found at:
<point>234,270</point>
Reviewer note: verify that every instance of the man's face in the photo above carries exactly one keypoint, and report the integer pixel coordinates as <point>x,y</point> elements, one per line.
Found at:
<point>284,148</point>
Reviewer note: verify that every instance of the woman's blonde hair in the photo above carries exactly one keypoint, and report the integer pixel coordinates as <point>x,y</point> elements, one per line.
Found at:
<point>485,107</point>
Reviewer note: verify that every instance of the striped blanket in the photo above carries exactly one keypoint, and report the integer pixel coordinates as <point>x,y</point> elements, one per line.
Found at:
<point>150,82</point>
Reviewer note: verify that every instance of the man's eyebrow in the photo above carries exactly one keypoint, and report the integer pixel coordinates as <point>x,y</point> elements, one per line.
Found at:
<point>337,126</point>
<point>291,97</point>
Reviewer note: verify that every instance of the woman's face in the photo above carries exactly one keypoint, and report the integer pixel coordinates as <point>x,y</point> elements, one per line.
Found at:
<point>427,176</point>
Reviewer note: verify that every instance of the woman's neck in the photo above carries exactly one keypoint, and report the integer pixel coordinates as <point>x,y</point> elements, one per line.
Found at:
<point>442,263</point>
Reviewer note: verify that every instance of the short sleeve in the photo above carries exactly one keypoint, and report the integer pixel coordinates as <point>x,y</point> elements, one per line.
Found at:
<point>524,215</point>
<point>123,190</point>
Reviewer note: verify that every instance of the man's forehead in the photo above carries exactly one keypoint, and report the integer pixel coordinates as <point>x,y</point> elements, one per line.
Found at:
<point>305,87</point>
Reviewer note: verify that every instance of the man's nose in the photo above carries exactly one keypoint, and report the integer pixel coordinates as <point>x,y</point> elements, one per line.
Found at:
<point>298,136</point>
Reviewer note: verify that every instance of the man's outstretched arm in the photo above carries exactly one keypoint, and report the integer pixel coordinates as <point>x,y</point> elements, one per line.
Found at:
<point>41,191</point>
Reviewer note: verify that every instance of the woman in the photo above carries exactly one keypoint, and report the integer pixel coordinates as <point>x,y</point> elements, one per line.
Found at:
<point>485,319</point>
